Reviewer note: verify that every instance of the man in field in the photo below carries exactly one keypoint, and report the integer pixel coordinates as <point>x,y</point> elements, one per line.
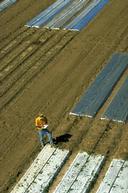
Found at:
<point>41,124</point>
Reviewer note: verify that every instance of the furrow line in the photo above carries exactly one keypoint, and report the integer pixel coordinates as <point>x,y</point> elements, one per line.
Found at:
<point>92,137</point>
<point>25,61</point>
<point>49,56</point>
<point>7,40</point>
<point>18,50</point>
<point>23,56</point>
<point>110,140</point>
<point>15,42</point>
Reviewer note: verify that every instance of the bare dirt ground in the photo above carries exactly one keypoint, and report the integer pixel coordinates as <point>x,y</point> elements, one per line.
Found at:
<point>47,71</point>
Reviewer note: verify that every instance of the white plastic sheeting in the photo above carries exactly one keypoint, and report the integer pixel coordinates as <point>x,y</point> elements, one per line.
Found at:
<point>81,174</point>
<point>116,178</point>
<point>46,15</point>
<point>64,16</point>
<point>42,171</point>
<point>68,14</point>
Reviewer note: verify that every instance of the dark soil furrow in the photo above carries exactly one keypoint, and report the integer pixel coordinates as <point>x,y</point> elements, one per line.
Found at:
<point>15,42</point>
<point>19,86</point>
<point>31,49</point>
<point>19,49</point>
<point>94,136</point>
<point>11,37</point>
<point>27,63</point>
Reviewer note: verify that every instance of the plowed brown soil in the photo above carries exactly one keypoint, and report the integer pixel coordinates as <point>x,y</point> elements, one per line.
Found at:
<point>47,71</point>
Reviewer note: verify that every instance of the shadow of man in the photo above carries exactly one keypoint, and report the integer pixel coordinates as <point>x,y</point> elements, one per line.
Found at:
<point>62,138</point>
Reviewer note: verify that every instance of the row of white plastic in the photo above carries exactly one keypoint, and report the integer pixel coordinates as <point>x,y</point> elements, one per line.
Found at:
<point>42,171</point>
<point>80,176</point>
<point>116,178</point>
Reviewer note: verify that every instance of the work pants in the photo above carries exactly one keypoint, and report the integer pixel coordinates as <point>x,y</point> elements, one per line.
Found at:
<point>42,134</point>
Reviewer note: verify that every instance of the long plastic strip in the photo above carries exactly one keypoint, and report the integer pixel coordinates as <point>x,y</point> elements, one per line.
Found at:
<point>101,88</point>
<point>116,178</point>
<point>6,3</point>
<point>118,108</point>
<point>60,19</point>
<point>44,13</point>
<point>33,170</point>
<point>49,13</point>
<point>87,15</point>
<point>48,172</point>
<point>121,183</point>
<point>48,162</point>
<point>81,174</point>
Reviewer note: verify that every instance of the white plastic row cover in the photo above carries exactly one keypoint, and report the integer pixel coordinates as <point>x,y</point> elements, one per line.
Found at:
<point>81,174</point>
<point>116,178</point>
<point>42,171</point>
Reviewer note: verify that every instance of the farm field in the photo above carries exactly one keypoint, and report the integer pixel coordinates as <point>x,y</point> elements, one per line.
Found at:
<point>47,71</point>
